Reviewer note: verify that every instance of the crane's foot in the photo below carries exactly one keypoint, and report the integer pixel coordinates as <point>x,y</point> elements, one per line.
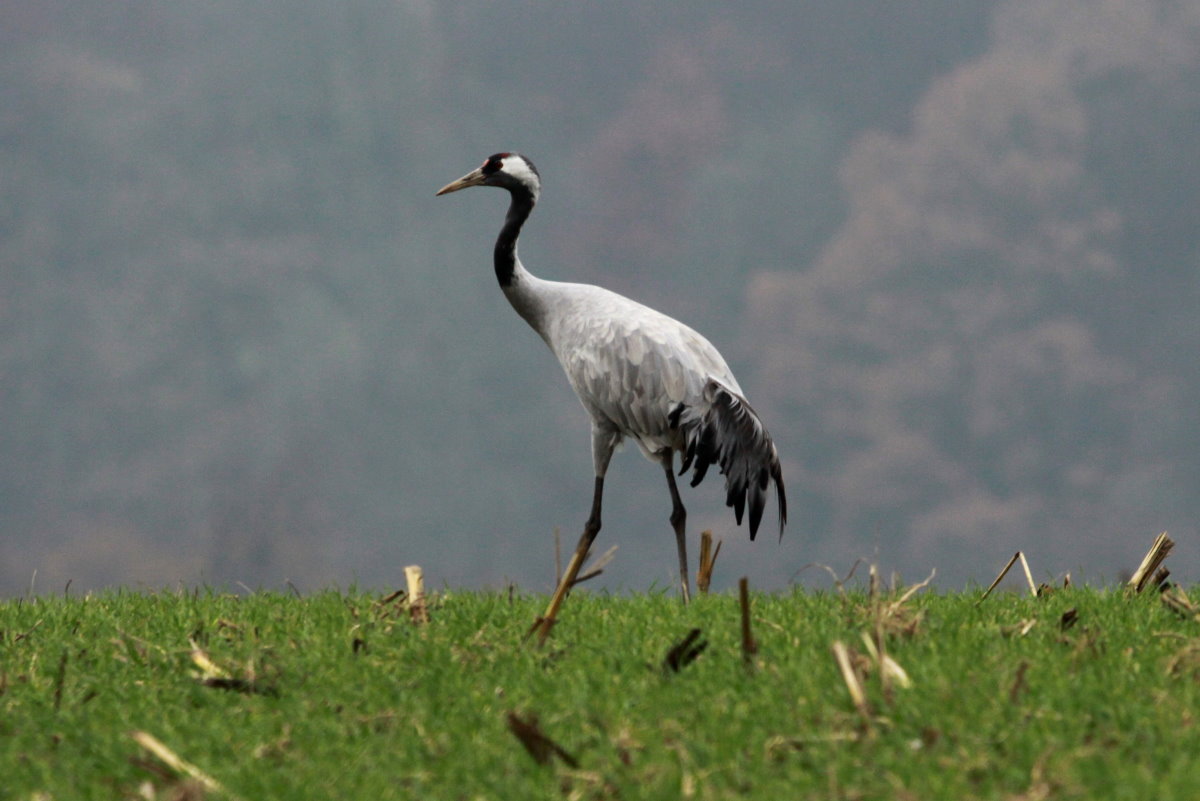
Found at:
<point>541,627</point>
<point>545,623</point>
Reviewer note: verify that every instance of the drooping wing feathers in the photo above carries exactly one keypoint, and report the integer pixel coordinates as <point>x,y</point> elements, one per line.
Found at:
<point>649,377</point>
<point>729,433</point>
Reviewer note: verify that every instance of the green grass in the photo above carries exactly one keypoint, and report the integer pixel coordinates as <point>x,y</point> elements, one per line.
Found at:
<point>342,698</point>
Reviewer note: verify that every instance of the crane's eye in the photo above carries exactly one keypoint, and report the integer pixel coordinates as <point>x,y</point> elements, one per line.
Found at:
<point>494,164</point>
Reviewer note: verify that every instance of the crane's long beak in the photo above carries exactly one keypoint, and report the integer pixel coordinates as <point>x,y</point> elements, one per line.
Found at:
<point>473,178</point>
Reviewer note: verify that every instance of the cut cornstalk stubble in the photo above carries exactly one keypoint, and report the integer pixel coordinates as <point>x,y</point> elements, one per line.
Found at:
<point>684,652</point>
<point>539,746</point>
<point>708,560</point>
<point>1018,556</point>
<point>1178,602</point>
<point>1149,568</point>
<point>749,646</point>
<point>418,610</point>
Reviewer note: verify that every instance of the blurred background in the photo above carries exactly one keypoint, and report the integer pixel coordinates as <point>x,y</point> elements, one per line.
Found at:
<point>951,248</point>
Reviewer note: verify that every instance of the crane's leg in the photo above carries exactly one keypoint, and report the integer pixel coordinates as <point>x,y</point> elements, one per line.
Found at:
<point>678,521</point>
<point>590,529</point>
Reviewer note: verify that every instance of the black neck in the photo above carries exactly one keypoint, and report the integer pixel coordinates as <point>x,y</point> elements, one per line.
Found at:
<point>505,255</point>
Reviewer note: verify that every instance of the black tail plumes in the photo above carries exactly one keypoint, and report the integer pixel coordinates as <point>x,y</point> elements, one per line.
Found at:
<point>729,434</point>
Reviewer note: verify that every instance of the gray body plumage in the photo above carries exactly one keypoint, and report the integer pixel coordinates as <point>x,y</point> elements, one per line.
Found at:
<point>630,365</point>
<point>639,373</point>
<point>646,376</point>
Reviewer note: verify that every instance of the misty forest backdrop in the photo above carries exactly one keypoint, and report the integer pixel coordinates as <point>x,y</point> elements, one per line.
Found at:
<point>951,248</point>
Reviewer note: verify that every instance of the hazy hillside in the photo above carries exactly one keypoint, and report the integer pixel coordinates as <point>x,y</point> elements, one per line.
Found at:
<point>999,342</point>
<point>951,251</point>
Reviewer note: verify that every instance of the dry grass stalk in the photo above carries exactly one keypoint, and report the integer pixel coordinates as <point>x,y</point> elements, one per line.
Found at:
<point>996,581</point>
<point>597,566</point>
<point>1033,590</point>
<point>1019,629</point>
<point>1151,563</point>
<point>708,560</point>
<point>749,646</point>
<point>208,668</point>
<point>539,746</point>
<point>175,762</point>
<point>888,618</point>
<point>890,672</point>
<point>28,631</point>
<point>838,583</point>
<point>1178,602</point>
<point>215,676</point>
<point>895,616</point>
<point>914,589</point>
<point>418,610</point>
<point>1004,572</point>
<point>391,596</point>
<point>845,663</point>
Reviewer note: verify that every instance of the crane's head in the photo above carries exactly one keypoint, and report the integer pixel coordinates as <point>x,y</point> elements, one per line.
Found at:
<point>510,171</point>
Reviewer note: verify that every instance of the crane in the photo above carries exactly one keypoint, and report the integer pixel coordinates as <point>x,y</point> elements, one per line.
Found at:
<point>639,374</point>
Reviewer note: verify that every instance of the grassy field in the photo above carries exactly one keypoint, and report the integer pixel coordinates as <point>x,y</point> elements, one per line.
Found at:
<point>1085,693</point>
